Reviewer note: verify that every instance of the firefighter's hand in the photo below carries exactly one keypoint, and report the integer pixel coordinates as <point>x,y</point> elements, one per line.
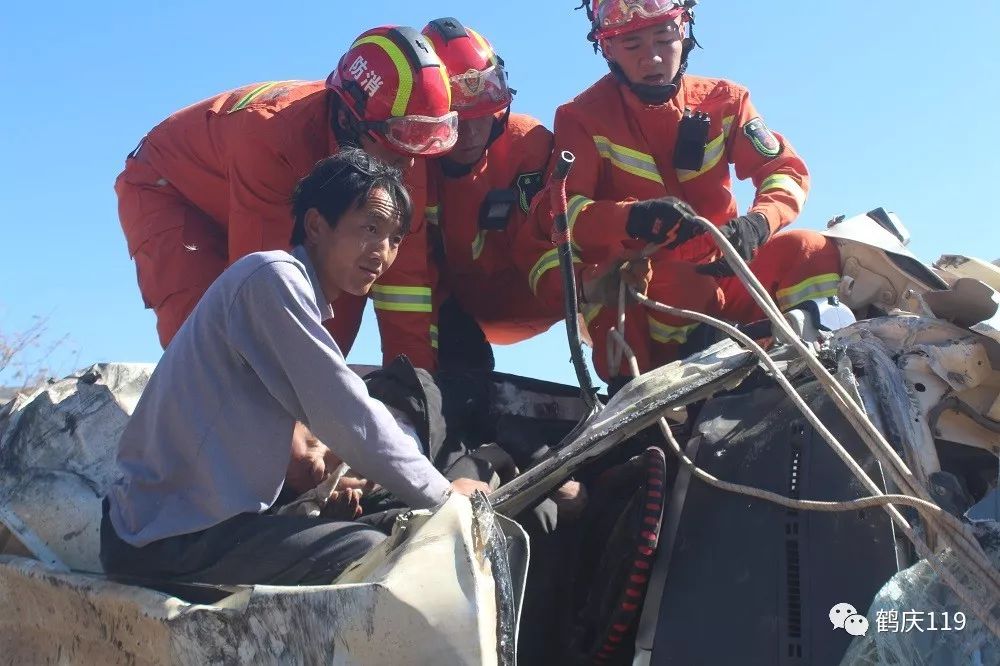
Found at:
<point>311,461</point>
<point>599,284</point>
<point>746,233</point>
<point>664,221</point>
<point>468,486</point>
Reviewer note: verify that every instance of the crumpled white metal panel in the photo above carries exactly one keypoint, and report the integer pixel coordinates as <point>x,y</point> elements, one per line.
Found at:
<point>57,459</point>
<point>426,597</point>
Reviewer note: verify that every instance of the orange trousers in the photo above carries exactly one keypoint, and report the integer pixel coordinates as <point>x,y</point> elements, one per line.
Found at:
<point>177,248</point>
<point>794,266</point>
<point>180,250</point>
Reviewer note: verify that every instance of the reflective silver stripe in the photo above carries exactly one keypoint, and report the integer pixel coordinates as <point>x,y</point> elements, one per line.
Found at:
<point>546,262</point>
<point>818,286</point>
<point>434,336</point>
<point>477,244</point>
<point>590,311</point>
<point>785,183</point>
<point>402,299</point>
<point>714,150</point>
<point>664,333</point>
<point>628,159</point>
<point>574,207</point>
<point>431,214</point>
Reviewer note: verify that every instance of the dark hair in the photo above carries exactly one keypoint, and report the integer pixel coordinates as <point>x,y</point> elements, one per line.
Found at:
<point>346,179</point>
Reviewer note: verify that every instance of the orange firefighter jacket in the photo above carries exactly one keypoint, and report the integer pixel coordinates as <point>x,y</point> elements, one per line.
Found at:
<point>625,152</point>
<point>478,264</point>
<point>238,157</point>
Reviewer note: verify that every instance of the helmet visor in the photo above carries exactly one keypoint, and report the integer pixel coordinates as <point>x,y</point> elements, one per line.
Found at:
<point>612,16</point>
<point>480,91</point>
<point>422,136</point>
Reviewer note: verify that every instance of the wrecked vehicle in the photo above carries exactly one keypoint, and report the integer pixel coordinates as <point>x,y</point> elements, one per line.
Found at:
<point>744,553</point>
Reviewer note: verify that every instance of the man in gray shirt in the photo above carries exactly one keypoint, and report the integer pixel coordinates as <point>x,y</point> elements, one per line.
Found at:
<point>205,453</point>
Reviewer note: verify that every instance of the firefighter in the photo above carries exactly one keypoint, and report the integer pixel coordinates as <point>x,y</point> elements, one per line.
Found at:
<point>647,137</point>
<point>484,188</point>
<point>212,183</point>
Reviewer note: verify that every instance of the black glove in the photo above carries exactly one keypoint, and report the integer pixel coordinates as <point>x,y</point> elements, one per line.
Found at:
<point>746,233</point>
<point>659,220</point>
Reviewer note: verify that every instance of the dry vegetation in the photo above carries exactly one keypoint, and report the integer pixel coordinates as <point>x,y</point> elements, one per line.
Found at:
<point>26,356</point>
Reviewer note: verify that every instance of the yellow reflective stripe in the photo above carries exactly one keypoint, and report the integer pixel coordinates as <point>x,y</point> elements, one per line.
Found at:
<point>477,244</point>
<point>546,262</point>
<point>431,214</point>
<point>714,150</point>
<point>401,299</point>
<point>483,44</point>
<point>576,204</point>
<point>590,312</point>
<point>434,336</point>
<point>628,159</point>
<point>786,183</point>
<point>403,71</point>
<point>253,94</point>
<point>663,333</point>
<point>818,286</point>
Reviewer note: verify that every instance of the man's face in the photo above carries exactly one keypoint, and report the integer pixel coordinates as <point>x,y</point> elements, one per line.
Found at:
<point>473,134</point>
<point>352,255</point>
<point>650,56</point>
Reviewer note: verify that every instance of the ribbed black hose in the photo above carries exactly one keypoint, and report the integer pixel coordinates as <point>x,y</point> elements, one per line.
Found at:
<point>561,236</point>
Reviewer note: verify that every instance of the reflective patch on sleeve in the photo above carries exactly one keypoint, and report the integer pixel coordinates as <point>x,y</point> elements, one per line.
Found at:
<point>786,183</point>
<point>763,140</point>
<point>666,334</point>
<point>401,299</point>
<point>264,92</point>
<point>818,286</point>
<point>576,205</point>
<point>477,245</point>
<point>431,214</point>
<point>545,263</point>
<point>528,185</point>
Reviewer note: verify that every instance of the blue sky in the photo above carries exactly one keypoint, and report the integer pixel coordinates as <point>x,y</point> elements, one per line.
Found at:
<point>891,103</point>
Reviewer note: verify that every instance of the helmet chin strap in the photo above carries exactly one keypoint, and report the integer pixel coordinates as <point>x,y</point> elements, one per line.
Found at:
<point>348,134</point>
<point>650,94</point>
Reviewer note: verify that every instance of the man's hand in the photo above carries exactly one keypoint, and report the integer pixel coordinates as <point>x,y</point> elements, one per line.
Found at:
<point>599,284</point>
<point>468,486</point>
<point>343,505</point>
<point>311,461</point>
<point>746,233</point>
<point>666,220</point>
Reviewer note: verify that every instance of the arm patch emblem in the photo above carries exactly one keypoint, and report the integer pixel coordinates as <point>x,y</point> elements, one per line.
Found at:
<point>528,185</point>
<point>763,140</point>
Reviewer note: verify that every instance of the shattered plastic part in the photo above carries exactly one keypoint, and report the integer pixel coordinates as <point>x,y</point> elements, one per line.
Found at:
<point>491,543</point>
<point>635,407</point>
<point>919,589</point>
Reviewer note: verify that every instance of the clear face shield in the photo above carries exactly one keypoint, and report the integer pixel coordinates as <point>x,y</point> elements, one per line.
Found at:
<point>480,92</point>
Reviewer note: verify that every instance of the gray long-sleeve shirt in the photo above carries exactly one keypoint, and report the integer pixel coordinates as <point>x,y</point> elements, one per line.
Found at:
<point>211,435</point>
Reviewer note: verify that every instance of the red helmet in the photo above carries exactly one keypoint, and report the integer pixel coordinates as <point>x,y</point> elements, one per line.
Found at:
<point>478,80</point>
<point>397,88</point>
<point>616,17</point>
